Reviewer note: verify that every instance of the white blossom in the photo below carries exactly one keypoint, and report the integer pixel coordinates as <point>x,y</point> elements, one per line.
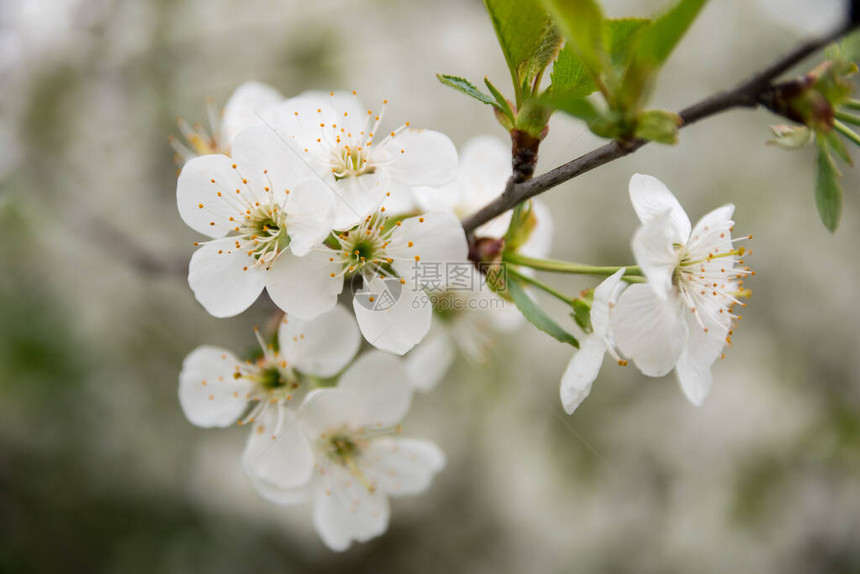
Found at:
<point>263,208</point>
<point>585,364</point>
<point>680,318</point>
<point>252,103</point>
<point>341,140</point>
<point>359,460</point>
<point>381,256</point>
<point>216,389</point>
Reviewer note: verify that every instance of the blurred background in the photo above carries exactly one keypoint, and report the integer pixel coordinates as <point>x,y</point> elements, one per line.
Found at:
<point>101,472</point>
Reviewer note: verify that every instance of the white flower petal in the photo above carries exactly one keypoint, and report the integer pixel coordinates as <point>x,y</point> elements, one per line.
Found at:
<point>581,372</point>
<point>310,215</point>
<point>251,104</point>
<point>197,199</point>
<point>422,157</point>
<point>404,466</point>
<point>605,296</point>
<point>303,286</point>
<point>702,349</point>
<point>343,514</point>
<point>435,238</point>
<point>208,393</point>
<point>277,451</point>
<point>695,380</point>
<point>313,120</point>
<point>393,326</point>
<point>651,197</point>
<point>380,380</point>
<point>223,278</point>
<point>446,197</point>
<point>429,360</point>
<point>322,346</point>
<point>654,249</point>
<point>282,496</point>
<point>649,330</point>
<point>400,198</point>
<point>356,197</point>
<point>265,158</point>
<point>712,234</point>
<point>331,408</point>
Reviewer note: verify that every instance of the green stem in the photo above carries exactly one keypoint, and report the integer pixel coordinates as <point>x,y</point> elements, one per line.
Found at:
<point>852,104</point>
<point>847,118</point>
<point>846,131</point>
<point>541,285</point>
<point>556,266</point>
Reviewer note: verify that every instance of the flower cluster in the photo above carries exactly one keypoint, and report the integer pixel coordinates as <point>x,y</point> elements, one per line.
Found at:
<point>306,197</point>
<point>681,317</point>
<point>302,197</point>
<point>339,446</point>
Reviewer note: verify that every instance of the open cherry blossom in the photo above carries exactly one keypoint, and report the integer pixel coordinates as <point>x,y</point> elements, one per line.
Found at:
<point>585,364</point>
<point>383,258</point>
<point>216,389</point>
<point>359,459</point>
<point>341,139</point>
<point>262,207</point>
<point>680,318</point>
<point>252,103</point>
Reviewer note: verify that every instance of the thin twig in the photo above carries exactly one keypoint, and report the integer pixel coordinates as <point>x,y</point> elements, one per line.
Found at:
<point>747,94</point>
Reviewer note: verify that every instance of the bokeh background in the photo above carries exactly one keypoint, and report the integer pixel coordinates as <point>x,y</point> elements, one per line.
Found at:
<point>100,471</point>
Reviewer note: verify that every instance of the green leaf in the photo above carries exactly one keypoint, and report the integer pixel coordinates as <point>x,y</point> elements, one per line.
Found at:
<point>536,315</point>
<point>501,103</point>
<point>849,48</point>
<point>619,37</point>
<point>545,51</point>
<point>572,105</point>
<point>835,143</point>
<point>652,47</point>
<point>465,86</point>
<point>659,126</point>
<point>581,21</point>
<point>570,76</point>
<point>582,315</point>
<point>659,39</point>
<point>525,33</point>
<point>828,191</point>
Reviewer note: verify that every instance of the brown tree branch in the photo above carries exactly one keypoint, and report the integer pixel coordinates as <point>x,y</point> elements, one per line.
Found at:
<point>747,94</point>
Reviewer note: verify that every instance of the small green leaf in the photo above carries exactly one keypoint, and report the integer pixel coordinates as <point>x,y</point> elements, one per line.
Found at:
<point>570,76</point>
<point>536,315</point>
<point>659,39</point>
<point>652,48</point>
<point>465,86</point>
<point>828,191</point>
<point>619,37</point>
<point>501,103</point>
<point>659,126</point>
<point>581,21</point>
<point>545,51</point>
<point>525,33</point>
<point>849,48</point>
<point>836,144</point>
<point>572,105</point>
<point>582,315</point>
<point>790,137</point>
